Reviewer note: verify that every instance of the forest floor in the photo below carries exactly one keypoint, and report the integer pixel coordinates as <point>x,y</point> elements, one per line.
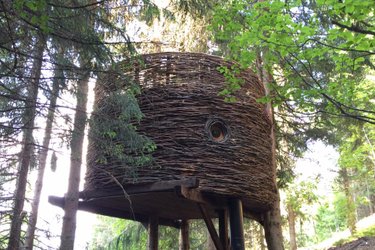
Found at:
<point>362,243</point>
<point>339,236</point>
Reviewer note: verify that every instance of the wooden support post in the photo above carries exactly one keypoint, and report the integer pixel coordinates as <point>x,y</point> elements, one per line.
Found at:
<point>153,233</point>
<point>223,228</point>
<point>184,235</point>
<point>210,226</point>
<point>236,224</point>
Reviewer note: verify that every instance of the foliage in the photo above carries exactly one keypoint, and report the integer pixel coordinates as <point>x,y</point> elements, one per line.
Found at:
<point>366,232</point>
<point>299,195</point>
<point>121,234</point>
<point>119,142</point>
<point>369,231</point>
<point>116,234</point>
<point>320,54</point>
<point>330,217</point>
<point>356,174</point>
<point>357,155</point>
<point>81,34</point>
<point>318,61</point>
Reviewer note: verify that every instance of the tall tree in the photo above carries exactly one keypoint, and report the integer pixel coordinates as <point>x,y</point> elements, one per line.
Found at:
<point>21,52</point>
<point>272,219</point>
<point>92,49</point>
<point>356,169</point>
<point>57,83</point>
<point>28,143</point>
<point>67,24</point>
<point>298,195</point>
<point>76,146</point>
<point>350,206</point>
<point>317,53</point>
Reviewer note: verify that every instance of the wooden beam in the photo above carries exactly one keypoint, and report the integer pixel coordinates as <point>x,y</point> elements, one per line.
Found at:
<point>223,228</point>
<point>197,196</point>
<point>153,233</point>
<point>190,194</point>
<point>236,224</point>
<point>184,235</point>
<point>210,226</point>
<point>140,188</point>
<point>86,206</point>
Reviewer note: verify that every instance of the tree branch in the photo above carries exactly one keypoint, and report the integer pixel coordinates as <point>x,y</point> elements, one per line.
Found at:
<point>354,28</point>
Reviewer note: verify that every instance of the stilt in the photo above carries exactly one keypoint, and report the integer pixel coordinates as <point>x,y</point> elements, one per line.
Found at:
<point>153,233</point>
<point>223,228</point>
<point>184,236</point>
<point>236,224</point>
<point>211,228</point>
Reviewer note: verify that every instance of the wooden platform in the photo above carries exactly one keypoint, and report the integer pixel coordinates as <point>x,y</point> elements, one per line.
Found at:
<point>170,201</point>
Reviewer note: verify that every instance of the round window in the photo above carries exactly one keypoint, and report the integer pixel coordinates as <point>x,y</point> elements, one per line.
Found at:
<point>217,130</point>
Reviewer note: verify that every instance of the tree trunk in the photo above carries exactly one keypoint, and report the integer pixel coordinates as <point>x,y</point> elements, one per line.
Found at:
<point>292,227</point>
<point>368,194</point>
<point>272,218</point>
<point>71,197</point>
<point>372,159</point>
<point>272,227</point>
<point>27,144</point>
<point>29,240</point>
<point>351,219</point>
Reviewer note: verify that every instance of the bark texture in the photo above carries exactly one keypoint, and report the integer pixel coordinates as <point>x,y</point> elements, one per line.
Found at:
<point>272,228</point>
<point>30,234</point>
<point>272,218</point>
<point>71,197</point>
<point>27,144</point>
<point>351,216</point>
<point>292,227</point>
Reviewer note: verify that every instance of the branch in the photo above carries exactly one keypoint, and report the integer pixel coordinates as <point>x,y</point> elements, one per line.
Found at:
<point>368,52</point>
<point>339,106</point>
<point>354,28</point>
<point>15,62</point>
<point>77,6</point>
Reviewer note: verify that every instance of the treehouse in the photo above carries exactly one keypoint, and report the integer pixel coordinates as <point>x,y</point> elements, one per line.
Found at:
<point>207,157</point>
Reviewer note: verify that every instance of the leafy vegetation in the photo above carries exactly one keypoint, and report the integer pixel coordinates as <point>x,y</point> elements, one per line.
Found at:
<point>318,61</point>
<point>118,138</point>
<point>330,218</point>
<point>367,232</point>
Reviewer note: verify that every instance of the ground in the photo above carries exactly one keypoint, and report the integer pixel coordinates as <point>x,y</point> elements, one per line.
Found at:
<point>363,243</point>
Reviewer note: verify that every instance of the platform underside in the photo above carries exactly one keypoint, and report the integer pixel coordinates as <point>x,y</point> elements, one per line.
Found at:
<point>170,201</point>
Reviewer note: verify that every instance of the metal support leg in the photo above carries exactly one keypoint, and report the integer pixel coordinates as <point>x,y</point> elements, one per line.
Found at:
<point>236,224</point>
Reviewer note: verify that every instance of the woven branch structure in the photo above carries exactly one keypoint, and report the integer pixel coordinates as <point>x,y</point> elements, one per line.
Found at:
<point>226,145</point>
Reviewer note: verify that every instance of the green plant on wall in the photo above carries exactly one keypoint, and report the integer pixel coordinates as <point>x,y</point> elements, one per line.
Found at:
<point>114,130</point>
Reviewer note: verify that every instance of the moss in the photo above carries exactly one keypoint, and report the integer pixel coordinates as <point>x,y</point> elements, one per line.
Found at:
<point>369,231</point>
